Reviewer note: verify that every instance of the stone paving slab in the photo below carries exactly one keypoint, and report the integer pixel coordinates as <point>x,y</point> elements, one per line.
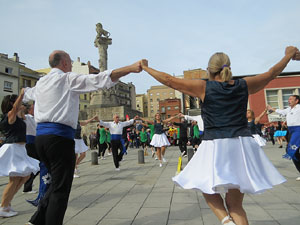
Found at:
<point>145,194</point>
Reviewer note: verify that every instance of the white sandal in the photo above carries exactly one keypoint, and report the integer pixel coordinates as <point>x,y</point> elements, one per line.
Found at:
<point>227,223</point>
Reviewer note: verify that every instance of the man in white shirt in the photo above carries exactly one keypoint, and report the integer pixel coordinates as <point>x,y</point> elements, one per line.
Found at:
<point>56,97</point>
<point>116,129</point>
<point>292,114</point>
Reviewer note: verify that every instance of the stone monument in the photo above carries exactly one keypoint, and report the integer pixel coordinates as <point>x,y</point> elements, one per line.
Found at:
<point>103,97</point>
<point>119,99</point>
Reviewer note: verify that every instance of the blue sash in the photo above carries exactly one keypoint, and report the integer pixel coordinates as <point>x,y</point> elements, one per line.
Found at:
<point>115,137</point>
<point>294,143</point>
<point>55,129</point>
<point>30,139</point>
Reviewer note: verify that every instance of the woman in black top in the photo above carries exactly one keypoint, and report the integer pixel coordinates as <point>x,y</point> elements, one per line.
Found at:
<point>228,160</point>
<point>252,126</point>
<point>14,161</point>
<point>159,139</point>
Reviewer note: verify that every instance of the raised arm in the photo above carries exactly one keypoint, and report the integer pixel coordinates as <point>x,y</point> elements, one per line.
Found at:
<point>104,124</point>
<point>169,119</point>
<point>29,94</point>
<point>147,121</point>
<point>195,88</point>
<point>257,119</point>
<point>83,123</point>
<point>258,82</point>
<point>12,114</point>
<point>118,73</point>
<point>82,83</point>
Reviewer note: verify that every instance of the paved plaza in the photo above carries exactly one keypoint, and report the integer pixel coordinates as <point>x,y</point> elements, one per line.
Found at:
<point>143,194</point>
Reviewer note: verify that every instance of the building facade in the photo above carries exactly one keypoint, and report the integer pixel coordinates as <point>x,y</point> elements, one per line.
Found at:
<point>276,94</point>
<point>9,76</point>
<point>142,104</point>
<point>169,108</point>
<point>156,94</point>
<point>190,103</point>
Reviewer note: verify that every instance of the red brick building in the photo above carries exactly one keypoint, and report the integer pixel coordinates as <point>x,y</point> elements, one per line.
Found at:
<point>170,107</point>
<point>276,94</point>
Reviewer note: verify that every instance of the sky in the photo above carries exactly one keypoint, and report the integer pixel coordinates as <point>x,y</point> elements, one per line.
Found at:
<point>174,35</point>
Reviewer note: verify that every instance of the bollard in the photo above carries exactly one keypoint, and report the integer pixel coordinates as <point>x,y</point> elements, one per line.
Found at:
<point>141,157</point>
<point>179,165</point>
<point>190,153</point>
<point>94,157</point>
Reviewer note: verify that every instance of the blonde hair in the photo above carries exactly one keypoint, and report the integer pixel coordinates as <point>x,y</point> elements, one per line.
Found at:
<point>219,63</point>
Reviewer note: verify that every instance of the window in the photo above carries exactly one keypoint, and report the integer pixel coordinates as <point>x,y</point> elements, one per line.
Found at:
<point>8,70</point>
<point>169,116</point>
<point>157,99</point>
<point>151,100</point>
<point>152,111</point>
<point>85,106</point>
<point>163,109</point>
<point>272,98</point>
<point>151,94</point>
<point>138,105</point>
<point>85,97</point>
<point>26,83</point>
<point>169,108</point>
<point>157,93</point>
<point>8,86</point>
<point>176,107</point>
<point>137,101</point>
<point>171,93</point>
<point>286,93</point>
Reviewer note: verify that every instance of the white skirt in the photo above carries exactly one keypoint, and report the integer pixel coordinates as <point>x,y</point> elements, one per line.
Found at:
<point>229,163</point>
<point>159,140</point>
<point>14,161</point>
<point>260,141</point>
<point>80,146</point>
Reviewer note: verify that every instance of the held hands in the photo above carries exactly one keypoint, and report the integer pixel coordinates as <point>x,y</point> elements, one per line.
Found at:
<point>270,109</point>
<point>292,52</point>
<point>96,118</point>
<point>144,63</point>
<point>136,67</point>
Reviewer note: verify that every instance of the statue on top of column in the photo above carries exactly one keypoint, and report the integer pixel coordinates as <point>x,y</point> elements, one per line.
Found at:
<point>101,42</point>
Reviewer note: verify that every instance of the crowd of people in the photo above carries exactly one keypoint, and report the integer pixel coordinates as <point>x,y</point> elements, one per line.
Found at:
<point>227,138</point>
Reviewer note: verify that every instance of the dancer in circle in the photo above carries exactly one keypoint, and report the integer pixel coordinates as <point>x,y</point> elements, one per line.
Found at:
<point>228,160</point>
<point>252,122</point>
<point>80,146</point>
<point>102,141</point>
<point>278,134</point>
<point>292,114</point>
<point>116,129</point>
<point>14,161</point>
<point>56,97</point>
<point>159,139</point>
<point>143,138</point>
<point>183,135</point>
<point>30,147</point>
<point>108,141</point>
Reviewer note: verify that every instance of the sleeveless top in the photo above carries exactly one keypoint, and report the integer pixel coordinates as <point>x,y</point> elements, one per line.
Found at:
<point>13,133</point>
<point>78,131</point>
<point>252,127</point>
<point>158,128</point>
<point>224,110</point>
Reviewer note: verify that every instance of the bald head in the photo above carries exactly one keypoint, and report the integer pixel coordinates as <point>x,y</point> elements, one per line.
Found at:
<point>61,60</point>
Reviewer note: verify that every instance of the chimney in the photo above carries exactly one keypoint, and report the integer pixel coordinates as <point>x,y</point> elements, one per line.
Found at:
<point>16,57</point>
